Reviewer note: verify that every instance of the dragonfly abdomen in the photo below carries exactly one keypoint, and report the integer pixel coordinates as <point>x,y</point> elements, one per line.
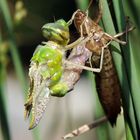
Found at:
<point>108,88</point>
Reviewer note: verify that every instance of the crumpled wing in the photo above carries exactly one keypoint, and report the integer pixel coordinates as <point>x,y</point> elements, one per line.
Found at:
<point>38,97</point>
<point>39,107</point>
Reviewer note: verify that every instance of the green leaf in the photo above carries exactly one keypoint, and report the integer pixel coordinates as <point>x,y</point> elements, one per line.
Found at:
<point>129,109</point>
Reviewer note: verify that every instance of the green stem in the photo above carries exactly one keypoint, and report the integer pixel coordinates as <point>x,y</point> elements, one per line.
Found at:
<point>130,61</point>
<point>3,112</point>
<point>13,50</point>
<point>126,93</point>
<point>82,4</point>
<point>13,46</point>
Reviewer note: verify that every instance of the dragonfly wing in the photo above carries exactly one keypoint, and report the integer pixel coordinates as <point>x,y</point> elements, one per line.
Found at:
<point>39,106</point>
<point>38,96</point>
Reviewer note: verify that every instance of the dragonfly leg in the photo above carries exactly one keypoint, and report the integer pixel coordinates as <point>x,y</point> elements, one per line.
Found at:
<point>120,34</point>
<point>89,60</point>
<point>99,16</point>
<point>115,39</point>
<point>124,32</point>
<point>101,59</point>
<point>79,41</point>
<point>84,23</point>
<point>82,39</point>
<point>73,16</point>
<point>88,68</point>
<point>81,66</point>
<point>75,43</point>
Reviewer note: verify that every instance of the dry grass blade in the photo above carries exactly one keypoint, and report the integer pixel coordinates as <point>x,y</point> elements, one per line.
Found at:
<point>85,128</point>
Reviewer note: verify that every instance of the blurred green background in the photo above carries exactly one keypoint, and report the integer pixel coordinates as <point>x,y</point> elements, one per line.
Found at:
<point>20,33</point>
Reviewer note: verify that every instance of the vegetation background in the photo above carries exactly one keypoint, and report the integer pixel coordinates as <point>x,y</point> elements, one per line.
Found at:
<point>20,33</point>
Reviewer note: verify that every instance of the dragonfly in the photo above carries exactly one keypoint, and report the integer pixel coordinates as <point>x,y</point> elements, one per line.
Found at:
<point>50,72</point>
<point>107,82</point>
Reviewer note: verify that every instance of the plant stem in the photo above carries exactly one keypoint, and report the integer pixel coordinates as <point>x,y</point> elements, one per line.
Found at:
<point>14,52</point>
<point>126,93</point>
<point>3,112</point>
<point>85,128</point>
<point>13,46</point>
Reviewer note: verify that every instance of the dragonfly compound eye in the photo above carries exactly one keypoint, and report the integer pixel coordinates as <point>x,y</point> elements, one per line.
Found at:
<point>57,31</point>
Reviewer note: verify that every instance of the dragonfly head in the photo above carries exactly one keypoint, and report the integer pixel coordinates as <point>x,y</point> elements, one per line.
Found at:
<point>57,31</point>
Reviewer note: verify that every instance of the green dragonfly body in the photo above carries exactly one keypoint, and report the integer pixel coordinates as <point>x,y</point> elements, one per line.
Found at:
<point>46,70</point>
